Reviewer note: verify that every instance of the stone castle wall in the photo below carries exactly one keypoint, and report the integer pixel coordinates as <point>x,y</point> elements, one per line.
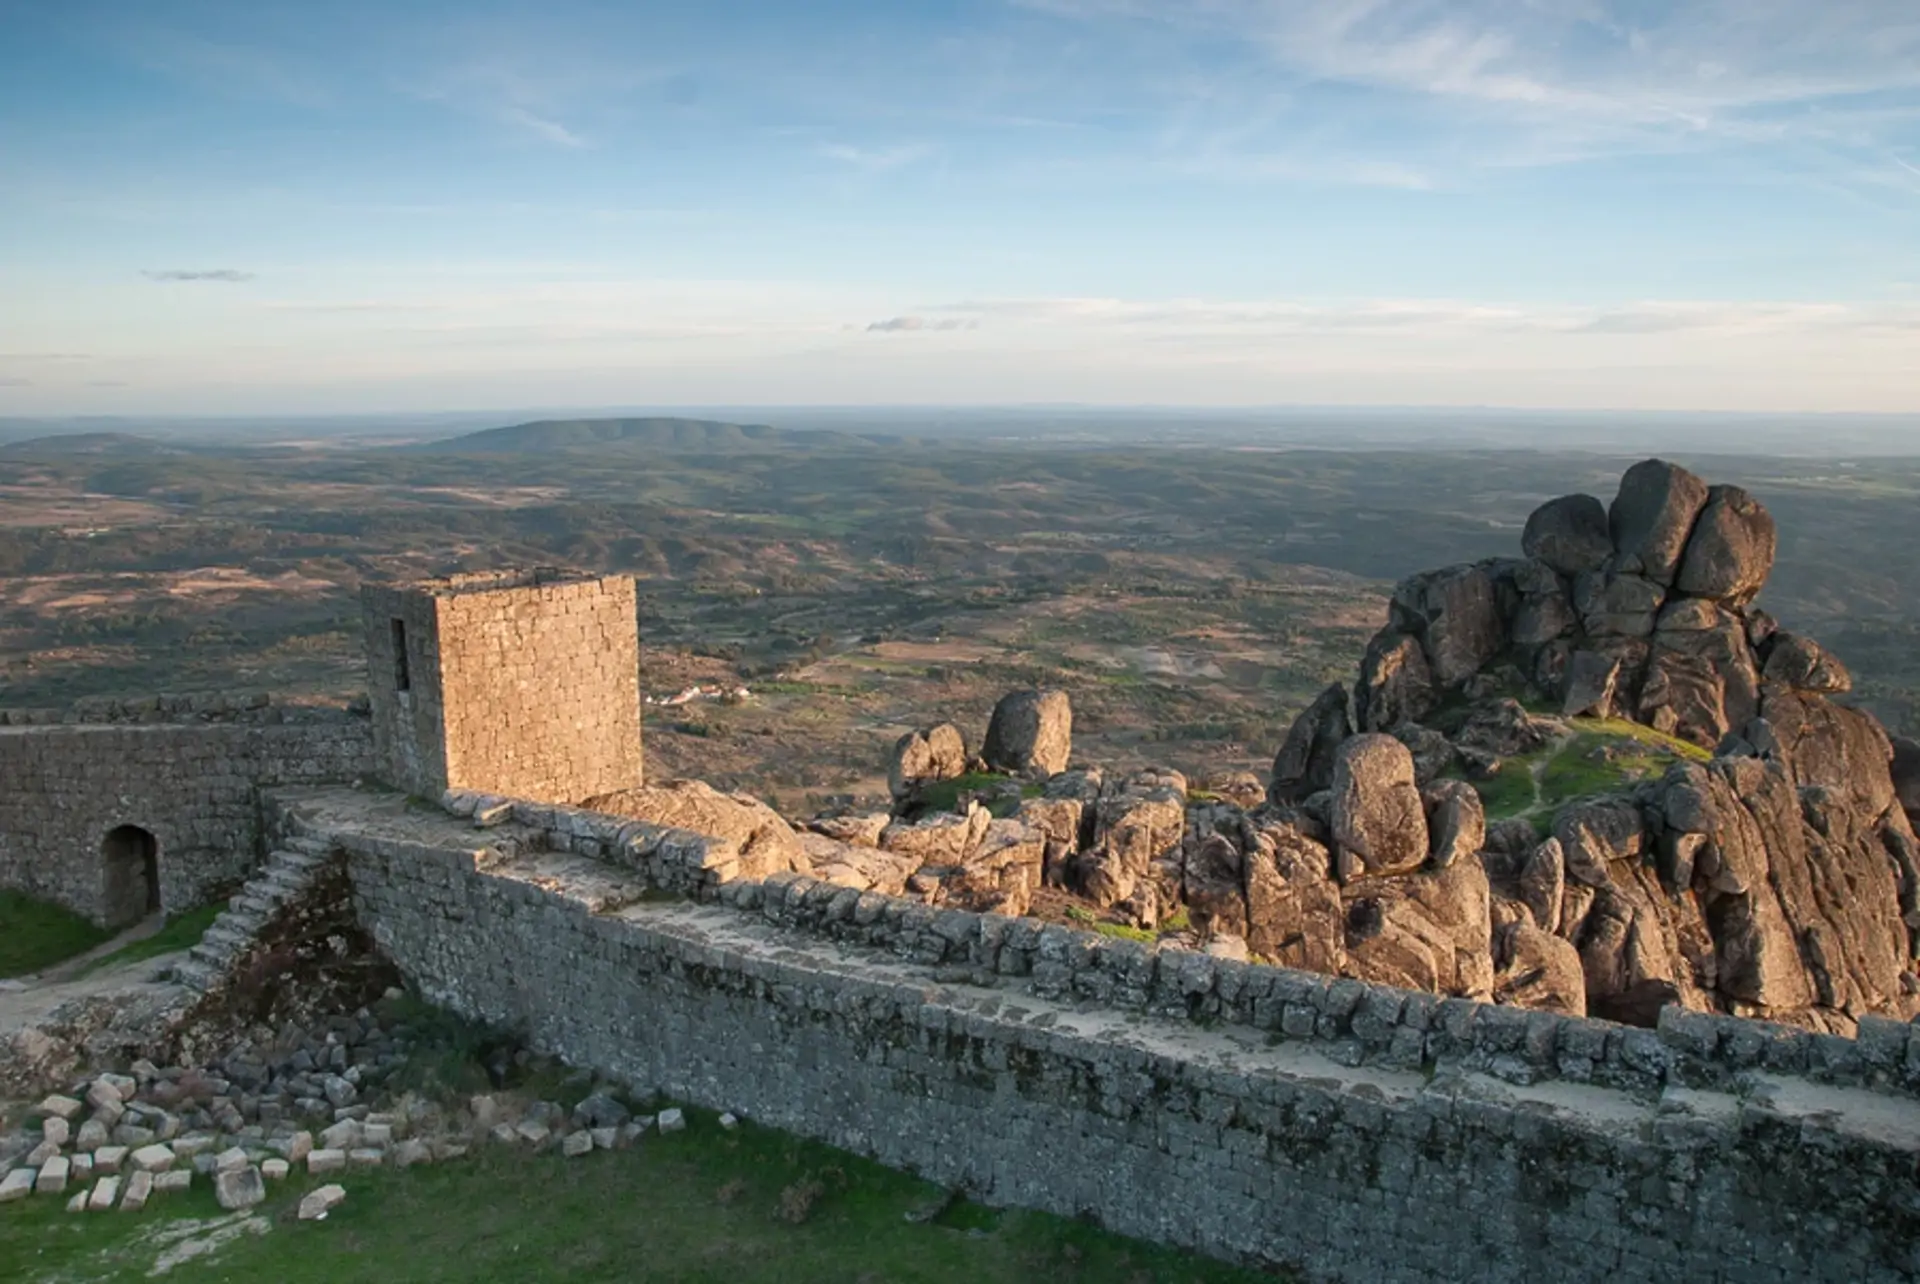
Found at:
<point>520,685</point>
<point>194,788</point>
<point>1167,1094</point>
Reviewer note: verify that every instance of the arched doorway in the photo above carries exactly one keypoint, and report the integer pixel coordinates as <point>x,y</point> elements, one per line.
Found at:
<point>132,859</point>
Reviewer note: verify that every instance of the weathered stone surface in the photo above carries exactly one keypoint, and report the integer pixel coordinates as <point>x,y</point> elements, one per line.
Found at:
<point>1804,665</point>
<point>173,1182</point>
<point>766,841</point>
<point>17,1184</point>
<point>854,831</point>
<point>1030,732</point>
<point>859,867</point>
<point>1294,914</point>
<point>326,1160</point>
<point>1591,681</point>
<point>1569,534</point>
<point>1000,874</point>
<point>1542,886</point>
<point>672,1119</point>
<point>1905,774</point>
<point>1730,552</point>
<point>1429,931</point>
<point>59,1107</point>
<point>1433,754</point>
<point>1396,683</point>
<point>925,757</point>
<point>946,838</point>
<point>576,1144</point>
<point>1139,820</point>
<point>317,1203</point>
<point>1304,764</point>
<point>105,1192</point>
<point>1699,683</point>
<point>1617,605</point>
<point>1456,821</point>
<point>1539,970</point>
<point>1652,516</point>
<point>1456,613</point>
<point>1377,813</point>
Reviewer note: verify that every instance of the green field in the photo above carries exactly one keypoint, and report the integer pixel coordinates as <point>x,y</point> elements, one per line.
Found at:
<point>742,1207</point>
<point>35,935</point>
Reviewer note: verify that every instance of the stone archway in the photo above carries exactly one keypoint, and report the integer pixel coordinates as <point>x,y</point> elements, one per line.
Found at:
<point>131,856</point>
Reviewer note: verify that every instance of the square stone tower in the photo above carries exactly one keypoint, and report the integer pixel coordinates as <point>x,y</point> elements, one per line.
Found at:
<point>523,683</point>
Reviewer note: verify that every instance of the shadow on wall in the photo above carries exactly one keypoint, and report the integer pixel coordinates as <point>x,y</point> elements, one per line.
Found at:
<point>131,857</point>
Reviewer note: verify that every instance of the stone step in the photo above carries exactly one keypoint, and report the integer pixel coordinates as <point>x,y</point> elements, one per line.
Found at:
<point>216,957</point>
<point>196,975</point>
<point>247,902</point>
<point>310,846</point>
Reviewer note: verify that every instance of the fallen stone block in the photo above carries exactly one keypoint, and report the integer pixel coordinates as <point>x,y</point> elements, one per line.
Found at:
<point>376,1135</point>
<point>274,1169</point>
<point>81,1170</point>
<point>41,1153</point>
<point>109,1159</point>
<point>326,1160</point>
<point>604,1138</point>
<point>17,1184</point>
<point>175,1181</point>
<point>505,1134</point>
<point>105,1191</point>
<point>577,1144</point>
<point>56,1130</point>
<point>232,1157</point>
<point>53,1176</point>
<point>344,1135</point>
<point>192,1144</point>
<point>318,1203</point>
<point>534,1134</point>
<point>139,1186</point>
<point>410,1152</point>
<point>78,1204</point>
<point>153,1158</point>
<point>59,1107</point>
<point>672,1120</point>
<point>365,1157</point>
<point>238,1188</point>
<point>729,1121</point>
<point>93,1134</point>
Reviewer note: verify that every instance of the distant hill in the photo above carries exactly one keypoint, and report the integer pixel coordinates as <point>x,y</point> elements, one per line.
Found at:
<point>547,435</point>
<point>88,443</point>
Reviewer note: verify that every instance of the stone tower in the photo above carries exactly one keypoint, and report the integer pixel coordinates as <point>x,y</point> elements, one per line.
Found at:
<point>522,683</point>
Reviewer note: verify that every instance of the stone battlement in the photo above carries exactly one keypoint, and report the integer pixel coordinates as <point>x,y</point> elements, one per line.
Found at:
<point>1209,1105</point>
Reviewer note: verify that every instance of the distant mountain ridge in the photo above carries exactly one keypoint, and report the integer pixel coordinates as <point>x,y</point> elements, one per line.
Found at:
<point>88,443</point>
<point>660,433</point>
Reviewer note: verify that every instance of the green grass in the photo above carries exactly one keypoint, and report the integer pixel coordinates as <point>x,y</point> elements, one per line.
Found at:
<point>35,935</point>
<point>182,932</point>
<point>1534,786</point>
<point>753,1206</point>
<point>945,795</point>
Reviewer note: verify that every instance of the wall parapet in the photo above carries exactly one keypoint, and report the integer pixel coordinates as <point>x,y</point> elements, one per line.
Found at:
<point>1357,1022</point>
<point>256,707</point>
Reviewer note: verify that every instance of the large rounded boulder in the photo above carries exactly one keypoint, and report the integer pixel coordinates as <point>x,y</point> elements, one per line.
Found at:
<point>926,757</point>
<point>1731,550</point>
<point>1031,732</point>
<point>1378,816</point>
<point>1569,534</point>
<point>1652,517</point>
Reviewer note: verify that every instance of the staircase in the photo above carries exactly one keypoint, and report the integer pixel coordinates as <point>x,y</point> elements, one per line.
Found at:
<point>288,874</point>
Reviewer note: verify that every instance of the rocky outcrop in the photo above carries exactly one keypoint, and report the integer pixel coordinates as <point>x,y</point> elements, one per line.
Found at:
<point>1652,517</point>
<point>1304,764</point>
<point>926,757</point>
<point>1031,732</point>
<point>1139,822</point>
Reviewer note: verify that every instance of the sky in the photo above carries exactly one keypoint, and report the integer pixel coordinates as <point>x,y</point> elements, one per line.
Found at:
<point>214,208</point>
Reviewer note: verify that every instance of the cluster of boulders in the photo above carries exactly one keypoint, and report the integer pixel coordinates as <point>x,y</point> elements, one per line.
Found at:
<point>1770,871</point>
<point>116,1141</point>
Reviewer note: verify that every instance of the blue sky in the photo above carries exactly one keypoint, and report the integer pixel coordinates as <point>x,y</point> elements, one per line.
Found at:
<point>1690,204</point>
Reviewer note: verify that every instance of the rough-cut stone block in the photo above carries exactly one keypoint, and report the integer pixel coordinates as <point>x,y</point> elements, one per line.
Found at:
<point>174,1181</point>
<point>105,1191</point>
<point>139,1186</point>
<point>576,1144</point>
<point>155,1158</point>
<point>326,1160</point>
<point>238,1188</point>
<point>274,1169</point>
<point>53,1176</point>
<point>58,1106</point>
<point>317,1203</point>
<point>672,1120</point>
<point>17,1184</point>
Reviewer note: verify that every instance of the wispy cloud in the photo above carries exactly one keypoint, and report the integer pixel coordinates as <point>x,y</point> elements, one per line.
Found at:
<point>875,158</point>
<point>541,127</point>
<point>224,67</point>
<point>197,274</point>
<point>898,325</point>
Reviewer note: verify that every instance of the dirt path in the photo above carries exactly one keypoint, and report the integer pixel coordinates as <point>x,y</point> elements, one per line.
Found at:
<point>27,1000</point>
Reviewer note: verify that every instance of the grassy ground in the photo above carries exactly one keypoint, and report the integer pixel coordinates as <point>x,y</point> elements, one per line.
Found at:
<point>1603,755</point>
<point>35,935</point>
<point>704,1205</point>
<point>182,931</point>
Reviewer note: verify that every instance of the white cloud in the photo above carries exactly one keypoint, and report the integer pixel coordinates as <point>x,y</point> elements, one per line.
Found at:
<point>541,126</point>
<point>874,158</point>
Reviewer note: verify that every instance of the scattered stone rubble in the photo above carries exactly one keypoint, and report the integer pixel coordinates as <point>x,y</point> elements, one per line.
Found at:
<point>315,1100</point>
